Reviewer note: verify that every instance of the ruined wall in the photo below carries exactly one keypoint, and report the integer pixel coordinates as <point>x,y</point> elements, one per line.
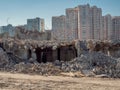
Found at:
<point>42,51</point>
<point>111,48</point>
<point>67,53</point>
<point>49,51</point>
<point>62,53</point>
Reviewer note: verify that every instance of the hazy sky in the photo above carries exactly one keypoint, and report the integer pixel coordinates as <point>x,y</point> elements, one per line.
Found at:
<point>17,11</point>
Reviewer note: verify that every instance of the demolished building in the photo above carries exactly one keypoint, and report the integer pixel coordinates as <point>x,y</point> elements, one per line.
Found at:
<point>49,51</point>
<point>53,57</point>
<point>42,51</point>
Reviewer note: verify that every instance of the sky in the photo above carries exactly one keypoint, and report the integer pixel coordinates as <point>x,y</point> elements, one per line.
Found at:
<point>16,12</point>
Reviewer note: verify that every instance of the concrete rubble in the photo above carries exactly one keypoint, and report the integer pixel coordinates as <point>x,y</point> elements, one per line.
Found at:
<point>3,58</point>
<point>14,64</point>
<point>92,58</point>
<point>91,64</point>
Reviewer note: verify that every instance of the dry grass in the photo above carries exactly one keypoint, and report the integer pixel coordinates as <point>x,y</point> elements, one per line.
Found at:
<point>34,82</point>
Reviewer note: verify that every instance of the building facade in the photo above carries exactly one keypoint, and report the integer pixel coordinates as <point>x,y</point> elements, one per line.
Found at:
<point>59,27</point>
<point>9,29</point>
<point>72,23</point>
<point>96,22</point>
<point>116,27</point>
<point>84,22</point>
<point>36,24</point>
<point>107,31</point>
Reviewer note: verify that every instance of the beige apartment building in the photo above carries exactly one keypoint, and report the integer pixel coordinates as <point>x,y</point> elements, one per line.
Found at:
<point>85,22</point>
<point>96,22</point>
<point>116,27</point>
<point>59,27</point>
<point>72,23</point>
<point>107,31</point>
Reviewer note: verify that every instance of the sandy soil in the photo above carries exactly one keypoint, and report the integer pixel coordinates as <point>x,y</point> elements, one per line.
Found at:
<point>10,81</point>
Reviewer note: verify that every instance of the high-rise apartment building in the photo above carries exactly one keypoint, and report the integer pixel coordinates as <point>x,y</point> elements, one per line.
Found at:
<point>84,22</point>
<point>72,23</point>
<point>36,24</point>
<point>107,31</point>
<point>116,27</point>
<point>59,27</point>
<point>7,29</point>
<point>96,22</point>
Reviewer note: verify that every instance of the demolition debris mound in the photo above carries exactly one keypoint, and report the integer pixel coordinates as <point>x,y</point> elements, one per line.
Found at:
<point>3,58</point>
<point>36,68</point>
<point>12,63</point>
<point>94,63</point>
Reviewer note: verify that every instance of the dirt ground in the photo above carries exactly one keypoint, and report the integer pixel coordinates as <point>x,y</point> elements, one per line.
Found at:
<point>10,81</point>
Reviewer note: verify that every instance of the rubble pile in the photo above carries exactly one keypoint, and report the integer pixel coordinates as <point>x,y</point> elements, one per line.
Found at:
<point>3,58</point>
<point>117,71</point>
<point>36,68</point>
<point>8,60</point>
<point>95,63</point>
<point>11,63</point>
<point>21,33</point>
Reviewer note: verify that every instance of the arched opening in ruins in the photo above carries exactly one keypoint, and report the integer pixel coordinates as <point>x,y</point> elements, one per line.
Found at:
<point>66,53</point>
<point>44,55</point>
<point>62,53</point>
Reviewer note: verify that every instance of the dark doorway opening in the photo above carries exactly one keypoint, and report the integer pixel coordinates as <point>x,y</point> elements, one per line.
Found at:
<point>38,54</point>
<point>58,54</point>
<point>44,55</point>
<point>66,53</point>
<point>29,54</point>
<point>1,46</point>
